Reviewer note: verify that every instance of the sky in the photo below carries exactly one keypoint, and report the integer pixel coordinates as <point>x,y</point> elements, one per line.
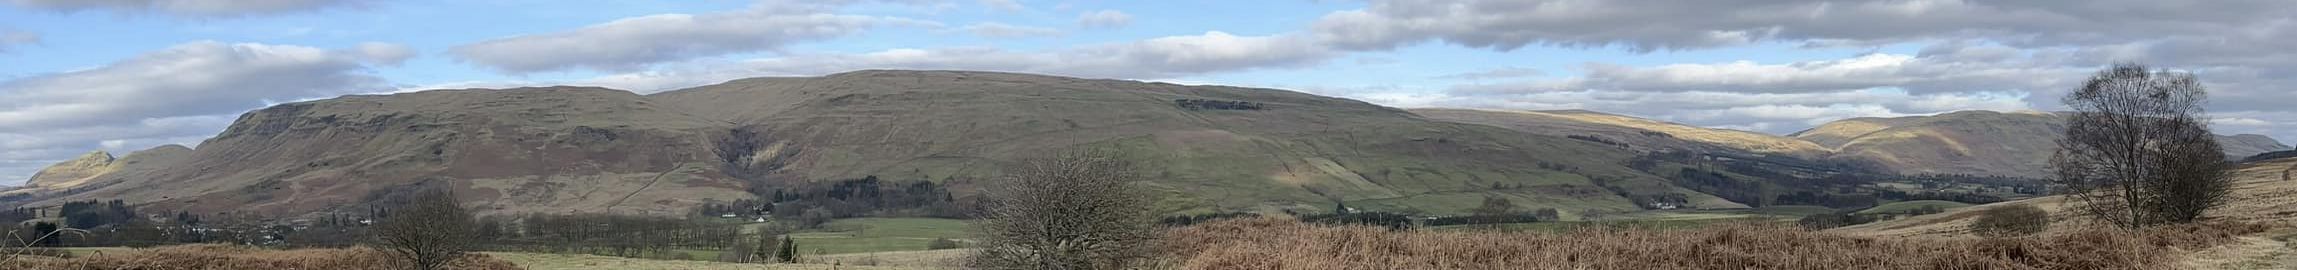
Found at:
<point>125,75</point>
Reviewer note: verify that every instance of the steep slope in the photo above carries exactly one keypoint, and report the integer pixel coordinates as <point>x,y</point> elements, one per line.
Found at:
<point>1286,149</point>
<point>2245,145</point>
<point>1965,142</point>
<point>73,172</point>
<point>1968,142</point>
<point>577,149</point>
<point>1835,134</point>
<point>97,169</point>
<point>516,150</point>
<point>1637,133</point>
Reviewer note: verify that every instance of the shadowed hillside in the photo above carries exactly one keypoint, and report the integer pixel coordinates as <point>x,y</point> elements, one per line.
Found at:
<point>527,149</point>
<point>561,149</point>
<point>1288,150</point>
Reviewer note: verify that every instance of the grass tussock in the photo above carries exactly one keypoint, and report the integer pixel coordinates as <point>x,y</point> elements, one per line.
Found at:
<point>1275,243</point>
<point>234,257</point>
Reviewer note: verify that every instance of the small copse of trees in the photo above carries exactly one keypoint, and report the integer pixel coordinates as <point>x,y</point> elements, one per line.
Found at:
<point>1207,104</point>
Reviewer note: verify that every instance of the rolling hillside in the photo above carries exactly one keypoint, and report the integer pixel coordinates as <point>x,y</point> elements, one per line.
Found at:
<point>578,149</point>
<point>2262,193</point>
<point>1970,142</point>
<point>1638,133</point>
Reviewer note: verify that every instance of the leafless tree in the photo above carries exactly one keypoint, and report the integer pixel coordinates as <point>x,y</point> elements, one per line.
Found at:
<point>2138,151</point>
<point>1075,209</point>
<point>428,232</point>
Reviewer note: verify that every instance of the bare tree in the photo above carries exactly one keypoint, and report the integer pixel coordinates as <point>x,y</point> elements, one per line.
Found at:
<point>428,232</point>
<point>1073,210</point>
<point>2137,150</point>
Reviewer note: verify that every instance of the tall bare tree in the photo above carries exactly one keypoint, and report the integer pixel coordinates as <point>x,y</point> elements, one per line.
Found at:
<point>428,232</point>
<point>1073,210</point>
<point>2138,151</point>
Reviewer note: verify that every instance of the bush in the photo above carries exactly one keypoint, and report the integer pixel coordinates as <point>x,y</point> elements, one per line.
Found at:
<point>1177,221</point>
<point>1075,210</point>
<point>944,243</point>
<point>1833,220</point>
<point>2010,221</point>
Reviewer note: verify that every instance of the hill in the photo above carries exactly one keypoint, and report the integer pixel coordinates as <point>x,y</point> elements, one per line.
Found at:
<point>581,149</point>
<point>1637,133</point>
<point>2016,144</point>
<point>2261,194</point>
<point>1216,147</point>
<point>518,150</point>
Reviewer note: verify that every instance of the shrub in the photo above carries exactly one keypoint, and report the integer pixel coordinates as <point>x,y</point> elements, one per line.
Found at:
<point>813,218</point>
<point>944,243</point>
<point>2012,220</point>
<point>1076,210</point>
<point>1833,220</point>
<point>1177,221</point>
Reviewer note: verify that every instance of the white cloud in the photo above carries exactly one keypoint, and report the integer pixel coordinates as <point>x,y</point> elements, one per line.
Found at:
<point>1937,71</point>
<point>2238,121</point>
<point>1004,5</point>
<point>1671,25</point>
<point>188,8</point>
<point>1000,30</point>
<point>194,78</point>
<point>1497,73</point>
<point>1164,57</point>
<point>174,95</point>
<point>1104,19</point>
<point>633,43</point>
<point>386,54</point>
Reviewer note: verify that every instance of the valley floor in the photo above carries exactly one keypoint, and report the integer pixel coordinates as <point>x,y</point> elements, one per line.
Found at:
<point>891,261</point>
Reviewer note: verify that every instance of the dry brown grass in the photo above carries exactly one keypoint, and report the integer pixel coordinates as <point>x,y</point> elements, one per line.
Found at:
<point>1271,243</point>
<point>233,257</point>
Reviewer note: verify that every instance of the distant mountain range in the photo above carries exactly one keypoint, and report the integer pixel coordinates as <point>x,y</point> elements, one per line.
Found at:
<point>1211,148</point>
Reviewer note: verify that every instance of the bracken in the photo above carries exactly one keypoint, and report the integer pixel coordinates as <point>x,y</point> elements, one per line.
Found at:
<point>234,257</point>
<point>1278,243</point>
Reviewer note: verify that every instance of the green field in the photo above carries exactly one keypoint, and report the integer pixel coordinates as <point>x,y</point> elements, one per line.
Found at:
<point>1791,211</point>
<point>1903,207</point>
<point>860,235</point>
